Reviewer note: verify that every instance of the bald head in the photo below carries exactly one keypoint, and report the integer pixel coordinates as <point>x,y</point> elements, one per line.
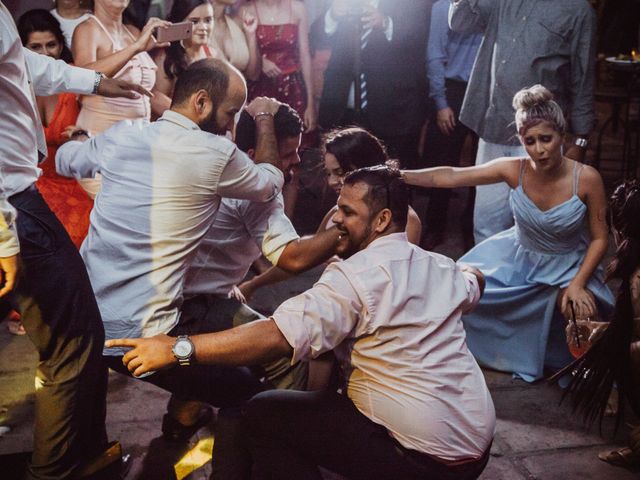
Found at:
<point>217,77</point>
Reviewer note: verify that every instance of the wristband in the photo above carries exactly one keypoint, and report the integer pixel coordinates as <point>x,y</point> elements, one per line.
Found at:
<point>581,142</point>
<point>262,114</point>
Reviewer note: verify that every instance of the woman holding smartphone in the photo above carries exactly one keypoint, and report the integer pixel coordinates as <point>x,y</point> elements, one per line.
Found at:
<point>103,43</point>
<point>174,59</point>
<point>550,260</point>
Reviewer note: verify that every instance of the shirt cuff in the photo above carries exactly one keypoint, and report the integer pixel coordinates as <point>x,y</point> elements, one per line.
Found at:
<point>440,101</point>
<point>81,81</point>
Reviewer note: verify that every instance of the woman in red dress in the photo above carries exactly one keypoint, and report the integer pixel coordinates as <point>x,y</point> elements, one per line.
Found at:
<point>40,32</point>
<point>283,39</point>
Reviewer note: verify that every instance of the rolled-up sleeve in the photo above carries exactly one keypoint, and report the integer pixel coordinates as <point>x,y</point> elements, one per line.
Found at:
<point>54,76</point>
<point>473,291</point>
<point>79,159</point>
<point>241,178</point>
<point>9,245</point>
<point>319,319</point>
<point>437,55</point>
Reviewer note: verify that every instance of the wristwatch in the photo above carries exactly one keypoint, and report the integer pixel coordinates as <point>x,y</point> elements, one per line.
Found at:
<point>183,349</point>
<point>581,142</point>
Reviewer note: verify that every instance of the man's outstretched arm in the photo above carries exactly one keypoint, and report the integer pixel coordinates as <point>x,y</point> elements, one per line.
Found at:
<point>249,344</point>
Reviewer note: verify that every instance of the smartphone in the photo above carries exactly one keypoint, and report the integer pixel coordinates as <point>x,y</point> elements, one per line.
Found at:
<point>174,32</point>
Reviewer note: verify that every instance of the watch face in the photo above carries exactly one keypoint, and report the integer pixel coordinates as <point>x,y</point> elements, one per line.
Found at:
<point>182,348</point>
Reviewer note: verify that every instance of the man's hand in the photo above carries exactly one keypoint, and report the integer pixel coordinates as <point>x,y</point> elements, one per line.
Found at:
<point>263,105</point>
<point>146,354</point>
<point>112,87</point>
<point>372,18</point>
<point>446,120</point>
<point>9,271</point>
<point>237,294</point>
<point>478,274</point>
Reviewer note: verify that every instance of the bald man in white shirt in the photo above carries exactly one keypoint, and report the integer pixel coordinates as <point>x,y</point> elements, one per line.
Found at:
<point>61,316</point>
<point>414,404</point>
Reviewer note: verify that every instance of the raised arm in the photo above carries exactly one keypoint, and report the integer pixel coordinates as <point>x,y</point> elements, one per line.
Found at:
<point>249,24</point>
<point>86,43</point>
<point>592,190</point>
<point>496,171</point>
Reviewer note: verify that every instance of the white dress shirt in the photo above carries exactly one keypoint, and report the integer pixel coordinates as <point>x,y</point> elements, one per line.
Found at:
<point>161,187</point>
<point>241,231</point>
<point>23,74</point>
<point>392,313</point>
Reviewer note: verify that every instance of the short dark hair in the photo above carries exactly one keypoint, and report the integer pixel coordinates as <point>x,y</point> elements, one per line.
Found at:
<point>209,74</point>
<point>354,148</point>
<point>40,20</point>
<point>386,190</point>
<point>287,123</point>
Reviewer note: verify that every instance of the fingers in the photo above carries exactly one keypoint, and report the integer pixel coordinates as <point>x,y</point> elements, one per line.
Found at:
<point>9,270</point>
<point>121,342</point>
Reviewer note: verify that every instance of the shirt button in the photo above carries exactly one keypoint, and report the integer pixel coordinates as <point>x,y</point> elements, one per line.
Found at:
<point>514,40</point>
<point>504,61</point>
<point>524,18</point>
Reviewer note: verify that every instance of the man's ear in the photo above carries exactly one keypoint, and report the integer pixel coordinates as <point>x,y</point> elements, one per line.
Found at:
<point>383,220</point>
<point>200,100</point>
<point>252,153</point>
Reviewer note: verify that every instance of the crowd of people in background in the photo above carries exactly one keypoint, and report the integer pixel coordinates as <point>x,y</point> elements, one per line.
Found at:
<point>141,179</point>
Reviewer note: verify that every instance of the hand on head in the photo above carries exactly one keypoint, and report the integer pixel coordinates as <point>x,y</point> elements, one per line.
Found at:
<point>263,105</point>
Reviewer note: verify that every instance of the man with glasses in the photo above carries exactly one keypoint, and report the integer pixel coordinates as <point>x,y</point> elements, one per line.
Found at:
<point>391,313</point>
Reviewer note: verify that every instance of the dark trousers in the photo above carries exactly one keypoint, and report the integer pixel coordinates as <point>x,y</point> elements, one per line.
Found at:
<point>217,385</point>
<point>290,433</point>
<point>60,315</point>
<point>444,150</point>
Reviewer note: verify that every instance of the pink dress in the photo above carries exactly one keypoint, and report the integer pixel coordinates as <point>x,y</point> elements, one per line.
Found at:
<point>99,113</point>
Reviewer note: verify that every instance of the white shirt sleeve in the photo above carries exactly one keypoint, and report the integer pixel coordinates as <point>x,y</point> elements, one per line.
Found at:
<point>319,319</point>
<point>241,178</point>
<point>269,227</point>
<point>51,76</point>
<point>9,245</point>
<point>473,292</point>
<point>79,159</point>
<point>330,24</point>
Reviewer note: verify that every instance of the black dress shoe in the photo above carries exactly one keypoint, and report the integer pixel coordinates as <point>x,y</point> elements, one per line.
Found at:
<point>174,431</point>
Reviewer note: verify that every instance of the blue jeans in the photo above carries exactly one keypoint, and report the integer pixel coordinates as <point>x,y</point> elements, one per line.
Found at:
<point>61,317</point>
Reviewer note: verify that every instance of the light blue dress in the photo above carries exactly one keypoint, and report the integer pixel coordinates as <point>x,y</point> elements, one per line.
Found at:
<point>516,327</point>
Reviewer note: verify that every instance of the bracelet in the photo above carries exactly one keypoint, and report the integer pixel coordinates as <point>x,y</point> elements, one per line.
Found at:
<point>96,82</point>
<point>262,114</point>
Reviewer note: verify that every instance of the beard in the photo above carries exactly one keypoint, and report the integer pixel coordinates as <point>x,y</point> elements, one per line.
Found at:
<point>210,125</point>
<point>349,246</point>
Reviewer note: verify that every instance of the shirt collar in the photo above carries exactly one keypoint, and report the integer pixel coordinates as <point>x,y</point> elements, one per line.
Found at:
<point>179,119</point>
<point>392,237</point>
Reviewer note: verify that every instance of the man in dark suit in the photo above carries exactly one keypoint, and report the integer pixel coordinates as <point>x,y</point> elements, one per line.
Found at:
<point>383,41</point>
